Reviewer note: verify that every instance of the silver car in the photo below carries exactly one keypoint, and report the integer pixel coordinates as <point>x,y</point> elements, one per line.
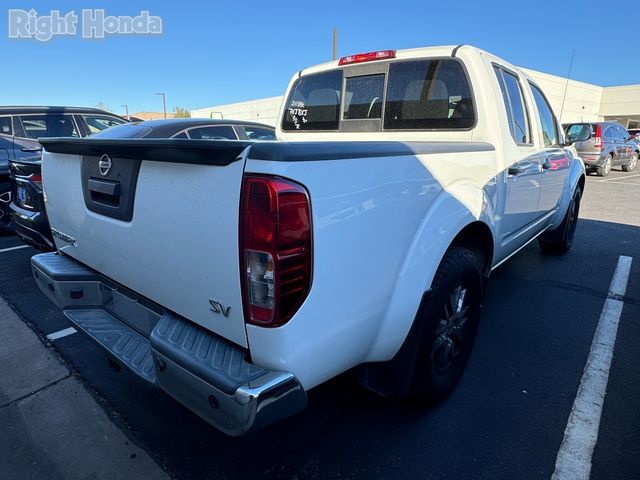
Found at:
<point>608,145</point>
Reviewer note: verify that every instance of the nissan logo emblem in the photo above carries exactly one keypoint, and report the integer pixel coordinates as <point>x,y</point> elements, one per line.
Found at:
<point>104,165</point>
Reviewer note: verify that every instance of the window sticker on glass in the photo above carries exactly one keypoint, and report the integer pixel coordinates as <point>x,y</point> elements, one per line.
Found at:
<point>314,102</point>
<point>298,113</point>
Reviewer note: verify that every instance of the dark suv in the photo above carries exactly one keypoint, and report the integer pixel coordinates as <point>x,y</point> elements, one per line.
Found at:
<point>609,145</point>
<point>21,203</point>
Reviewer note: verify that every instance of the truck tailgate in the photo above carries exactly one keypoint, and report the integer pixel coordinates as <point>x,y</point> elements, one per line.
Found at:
<point>157,216</point>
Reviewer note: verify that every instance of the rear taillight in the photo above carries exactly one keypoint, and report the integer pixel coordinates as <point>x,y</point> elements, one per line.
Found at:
<point>597,142</point>
<point>36,178</point>
<point>367,57</point>
<point>275,248</point>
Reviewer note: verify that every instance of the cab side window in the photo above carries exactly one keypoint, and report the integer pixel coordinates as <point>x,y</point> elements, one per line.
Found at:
<point>514,103</point>
<point>548,122</point>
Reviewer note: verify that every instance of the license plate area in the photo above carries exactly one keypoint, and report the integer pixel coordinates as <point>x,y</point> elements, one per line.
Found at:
<point>25,197</point>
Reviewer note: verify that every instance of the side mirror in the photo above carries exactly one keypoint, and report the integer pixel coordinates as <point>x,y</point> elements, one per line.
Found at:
<point>577,132</point>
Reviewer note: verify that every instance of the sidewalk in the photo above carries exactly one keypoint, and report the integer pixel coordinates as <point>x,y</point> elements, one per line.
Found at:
<point>50,426</point>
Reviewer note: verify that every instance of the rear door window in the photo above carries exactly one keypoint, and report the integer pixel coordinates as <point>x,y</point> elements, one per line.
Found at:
<point>218,132</point>
<point>314,102</point>
<point>609,133</point>
<point>548,122</point>
<point>428,94</point>
<point>514,104</point>
<point>623,133</point>
<point>363,97</point>
<point>36,126</point>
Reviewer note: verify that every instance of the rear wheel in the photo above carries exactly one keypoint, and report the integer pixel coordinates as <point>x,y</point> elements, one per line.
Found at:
<point>632,163</point>
<point>451,318</point>
<point>559,240</point>
<point>605,169</point>
<point>6,222</point>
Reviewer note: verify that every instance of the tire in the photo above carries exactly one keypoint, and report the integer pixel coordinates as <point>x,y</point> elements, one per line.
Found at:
<point>560,239</point>
<point>629,167</point>
<point>605,169</point>
<point>451,316</point>
<point>6,222</point>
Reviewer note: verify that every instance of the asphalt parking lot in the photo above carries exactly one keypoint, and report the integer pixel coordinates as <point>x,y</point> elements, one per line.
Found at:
<point>506,419</point>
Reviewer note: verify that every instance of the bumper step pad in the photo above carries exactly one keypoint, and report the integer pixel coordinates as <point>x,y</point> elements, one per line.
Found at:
<point>122,342</point>
<point>208,374</point>
<point>211,358</point>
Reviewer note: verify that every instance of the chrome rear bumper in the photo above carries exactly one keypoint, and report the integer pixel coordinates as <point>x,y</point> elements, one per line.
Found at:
<point>203,371</point>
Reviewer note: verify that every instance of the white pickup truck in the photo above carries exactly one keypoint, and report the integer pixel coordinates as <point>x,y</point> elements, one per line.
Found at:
<point>362,238</point>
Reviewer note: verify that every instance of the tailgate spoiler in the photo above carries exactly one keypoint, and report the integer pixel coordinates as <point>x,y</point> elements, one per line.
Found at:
<point>174,150</point>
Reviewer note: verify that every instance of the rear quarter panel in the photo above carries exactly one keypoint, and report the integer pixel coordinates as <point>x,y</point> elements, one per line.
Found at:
<point>380,228</point>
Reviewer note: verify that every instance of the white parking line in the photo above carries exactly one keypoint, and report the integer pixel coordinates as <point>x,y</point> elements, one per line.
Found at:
<point>62,333</point>
<point>621,178</point>
<point>574,457</point>
<point>621,182</point>
<point>13,248</point>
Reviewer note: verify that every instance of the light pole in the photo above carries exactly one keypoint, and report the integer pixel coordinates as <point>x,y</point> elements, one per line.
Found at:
<point>164,103</point>
<point>126,109</point>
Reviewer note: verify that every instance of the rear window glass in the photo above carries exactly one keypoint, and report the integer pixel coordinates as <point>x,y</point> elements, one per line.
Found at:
<point>51,125</point>
<point>221,132</point>
<point>363,97</point>
<point>126,130</point>
<point>428,94</point>
<point>514,104</point>
<point>257,133</point>
<point>314,102</point>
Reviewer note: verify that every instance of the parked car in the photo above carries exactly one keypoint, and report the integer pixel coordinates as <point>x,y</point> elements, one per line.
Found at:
<point>608,145</point>
<point>362,238</point>
<point>635,133</point>
<point>27,207</point>
<point>20,128</point>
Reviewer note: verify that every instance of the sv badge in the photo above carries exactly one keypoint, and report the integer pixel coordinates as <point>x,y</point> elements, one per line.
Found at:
<point>218,307</point>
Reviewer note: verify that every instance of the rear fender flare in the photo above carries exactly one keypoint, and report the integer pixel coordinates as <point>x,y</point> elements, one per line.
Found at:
<point>447,217</point>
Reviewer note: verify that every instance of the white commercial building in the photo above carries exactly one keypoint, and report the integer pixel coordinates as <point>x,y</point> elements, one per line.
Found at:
<point>571,100</point>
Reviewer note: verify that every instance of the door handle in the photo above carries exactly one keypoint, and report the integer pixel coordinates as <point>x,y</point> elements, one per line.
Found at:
<point>31,149</point>
<point>105,187</point>
<point>515,170</point>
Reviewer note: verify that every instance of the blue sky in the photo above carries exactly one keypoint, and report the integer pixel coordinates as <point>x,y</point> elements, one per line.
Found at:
<point>214,52</point>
